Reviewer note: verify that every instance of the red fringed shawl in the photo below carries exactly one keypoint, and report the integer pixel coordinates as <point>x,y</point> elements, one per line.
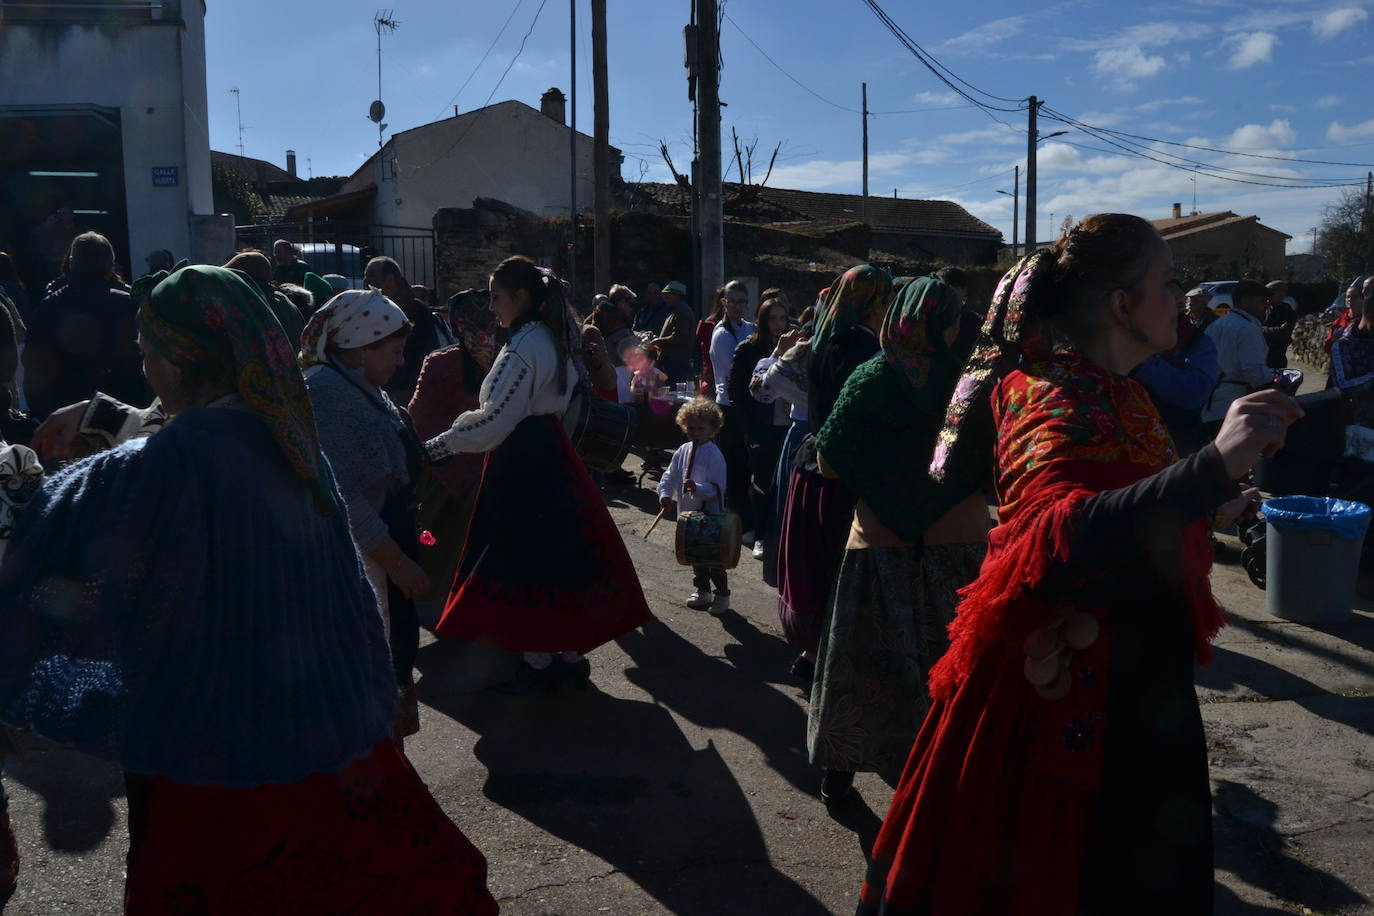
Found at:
<point>998,795</point>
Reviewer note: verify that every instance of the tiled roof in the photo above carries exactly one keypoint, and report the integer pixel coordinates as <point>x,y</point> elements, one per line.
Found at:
<point>782,205</point>
<point>1178,227</point>
<point>280,196</point>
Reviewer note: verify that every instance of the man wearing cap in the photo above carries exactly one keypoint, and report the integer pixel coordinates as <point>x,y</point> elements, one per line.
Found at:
<point>678,338</point>
<point>1195,305</point>
<point>1279,323</point>
<point>1242,352</point>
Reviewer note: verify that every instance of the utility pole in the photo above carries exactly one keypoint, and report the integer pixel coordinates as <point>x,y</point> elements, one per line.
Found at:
<point>865,207</point>
<point>1031,138</point>
<point>1015,208</point>
<point>602,165</point>
<point>572,153</point>
<point>708,136</point>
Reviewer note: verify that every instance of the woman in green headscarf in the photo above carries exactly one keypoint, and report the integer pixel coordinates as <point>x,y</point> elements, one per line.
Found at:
<point>224,646</point>
<point>912,543</point>
<point>817,512</point>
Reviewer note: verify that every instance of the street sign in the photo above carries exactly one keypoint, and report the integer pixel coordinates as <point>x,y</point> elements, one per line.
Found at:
<point>166,176</point>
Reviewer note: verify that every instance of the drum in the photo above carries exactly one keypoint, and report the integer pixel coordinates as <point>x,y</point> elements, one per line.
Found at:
<point>708,539</point>
<point>599,430</point>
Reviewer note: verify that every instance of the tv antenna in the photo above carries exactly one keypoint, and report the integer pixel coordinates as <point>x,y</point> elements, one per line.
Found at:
<point>238,104</point>
<point>384,21</point>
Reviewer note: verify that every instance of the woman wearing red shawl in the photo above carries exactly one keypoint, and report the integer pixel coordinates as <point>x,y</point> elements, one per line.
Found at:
<point>1062,768</point>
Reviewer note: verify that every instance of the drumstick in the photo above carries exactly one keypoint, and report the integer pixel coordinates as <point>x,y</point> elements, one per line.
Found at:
<point>659,518</point>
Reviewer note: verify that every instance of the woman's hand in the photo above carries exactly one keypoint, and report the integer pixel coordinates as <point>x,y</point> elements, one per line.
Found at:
<point>409,578</point>
<point>789,340</point>
<point>1256,424</point>
<point>53,439</point>
<point>666,503</point>
<point>1242,507</point>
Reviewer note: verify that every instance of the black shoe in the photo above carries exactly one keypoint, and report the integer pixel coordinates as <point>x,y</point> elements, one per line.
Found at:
<point>836,785</point>
<point>578,673</point>
<point>803,668</point>
<point>528,680</point>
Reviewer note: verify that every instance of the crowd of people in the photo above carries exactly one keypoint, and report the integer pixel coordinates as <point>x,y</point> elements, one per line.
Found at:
<point>989,535</point>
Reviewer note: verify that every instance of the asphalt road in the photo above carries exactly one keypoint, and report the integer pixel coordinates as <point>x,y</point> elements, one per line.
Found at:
<point>679,782</point>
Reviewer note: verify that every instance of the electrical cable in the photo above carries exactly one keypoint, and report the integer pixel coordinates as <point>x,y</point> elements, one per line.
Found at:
<point>518,4</point>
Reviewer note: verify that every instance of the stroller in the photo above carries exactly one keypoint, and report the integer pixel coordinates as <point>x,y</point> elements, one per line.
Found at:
<point>1312,463</point>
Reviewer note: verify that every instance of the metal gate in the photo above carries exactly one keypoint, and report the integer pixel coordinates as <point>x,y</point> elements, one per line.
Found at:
<point>345,248</point>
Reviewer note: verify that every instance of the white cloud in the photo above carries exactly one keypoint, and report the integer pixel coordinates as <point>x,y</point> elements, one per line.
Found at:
<point>1339,133</point>
<point>1329,101</point>
<point>1283,109</point>
<point>1125,65</point>
<point>997,135</point>
<point>1258,136</point>
<point>989,33</point>
<point>827,174</point>
<point>1157,104</point>
<point>1329,25</point>
<point>936,98</point>
<point>1145,35</point>
<point>1251,49</point>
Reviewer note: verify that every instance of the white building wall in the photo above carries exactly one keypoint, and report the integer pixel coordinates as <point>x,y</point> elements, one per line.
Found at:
<point>509,151</point>
<point>155,75</point>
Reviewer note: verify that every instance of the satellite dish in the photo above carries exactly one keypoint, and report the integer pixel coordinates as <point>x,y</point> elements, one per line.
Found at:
<point>376,111</point>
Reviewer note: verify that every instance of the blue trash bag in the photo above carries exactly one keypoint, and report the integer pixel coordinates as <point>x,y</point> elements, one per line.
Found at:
<point>1343,517</point>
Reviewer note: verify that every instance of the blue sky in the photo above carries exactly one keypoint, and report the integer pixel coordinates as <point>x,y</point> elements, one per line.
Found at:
<point>1283,80</point>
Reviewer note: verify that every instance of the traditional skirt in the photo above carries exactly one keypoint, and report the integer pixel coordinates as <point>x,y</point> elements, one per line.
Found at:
<point>446,514</point>
<point>368,839</point>
<point>815,526</point>
<point>544,568</point>
<point>887,628</point>
<point>782,476</point>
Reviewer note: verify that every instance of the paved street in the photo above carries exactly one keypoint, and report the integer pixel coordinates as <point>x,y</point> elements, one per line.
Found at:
<point>679,781</point>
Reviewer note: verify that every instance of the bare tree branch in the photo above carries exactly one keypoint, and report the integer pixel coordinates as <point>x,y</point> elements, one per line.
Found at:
<point>667,157</point>
<point>771,159</point>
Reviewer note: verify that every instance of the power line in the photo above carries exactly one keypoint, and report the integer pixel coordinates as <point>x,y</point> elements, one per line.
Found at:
<point>1233,152</point>
<point>934,66</point>
<point>518,4</point>
<point>478,114</point>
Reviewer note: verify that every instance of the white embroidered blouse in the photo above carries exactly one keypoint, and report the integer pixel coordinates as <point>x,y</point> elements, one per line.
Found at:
<point>523,382</point>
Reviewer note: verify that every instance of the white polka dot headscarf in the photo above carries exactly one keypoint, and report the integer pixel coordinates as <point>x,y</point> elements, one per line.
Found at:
<point>354,318</point>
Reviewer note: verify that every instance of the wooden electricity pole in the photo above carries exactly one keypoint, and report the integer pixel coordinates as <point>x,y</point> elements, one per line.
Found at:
<point>602,167</point>
<point>865,116</point>
<point>712,219</point>
<point>1031,137</point>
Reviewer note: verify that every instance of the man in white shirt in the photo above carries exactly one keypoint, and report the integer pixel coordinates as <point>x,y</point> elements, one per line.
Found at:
<point>729,333</point>
<point>1242,353</point>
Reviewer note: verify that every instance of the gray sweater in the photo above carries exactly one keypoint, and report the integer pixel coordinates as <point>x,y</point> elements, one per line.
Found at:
<point>363,446</point>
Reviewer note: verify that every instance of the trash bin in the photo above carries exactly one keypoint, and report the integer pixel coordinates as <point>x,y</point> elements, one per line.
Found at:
<point>1313,557</point>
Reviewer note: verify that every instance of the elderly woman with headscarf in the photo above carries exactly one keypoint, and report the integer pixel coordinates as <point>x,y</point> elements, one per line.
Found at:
<point>350,349</point>
<point>448,385</point>
<point>816,518</point>
<point>191,605</point>
<point>912,544</point>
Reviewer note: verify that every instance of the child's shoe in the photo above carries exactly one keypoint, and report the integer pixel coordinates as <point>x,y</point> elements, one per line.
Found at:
<point>699,600</point>
<point>721,604</point>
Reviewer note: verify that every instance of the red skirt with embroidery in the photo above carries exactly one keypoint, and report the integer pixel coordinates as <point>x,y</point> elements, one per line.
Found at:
<point>544,568</point>
<point>367,840</point>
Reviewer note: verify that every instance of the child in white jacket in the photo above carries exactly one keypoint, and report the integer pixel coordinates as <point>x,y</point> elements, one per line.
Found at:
<point>695,479</point>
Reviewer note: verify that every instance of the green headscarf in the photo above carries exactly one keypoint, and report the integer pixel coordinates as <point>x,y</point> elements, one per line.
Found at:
<point>319,287</point>
<point>881,433</point>
<point>913,340</point>
<point>851,298</point>
<point>213,321</point>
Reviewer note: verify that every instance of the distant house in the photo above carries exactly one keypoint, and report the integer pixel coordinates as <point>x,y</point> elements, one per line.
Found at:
<point>920,230</point>
<point>507,151</point>
<point>276,189</point>
<point>1223,245</point>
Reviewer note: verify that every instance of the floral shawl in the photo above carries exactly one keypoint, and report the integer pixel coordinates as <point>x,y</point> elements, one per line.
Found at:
<point>213,321</point>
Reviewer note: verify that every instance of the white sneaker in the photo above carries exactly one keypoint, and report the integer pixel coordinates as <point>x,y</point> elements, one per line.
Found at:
<point>758,550</point>
<point>720,605</point>
<point>699,601</point>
